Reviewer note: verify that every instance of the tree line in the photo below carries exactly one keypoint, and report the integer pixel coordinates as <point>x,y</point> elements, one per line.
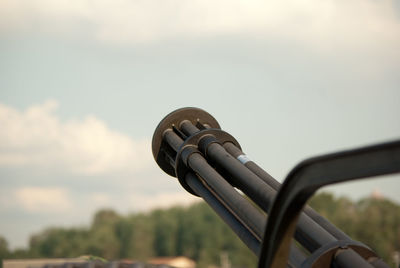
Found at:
<point>198,233</point>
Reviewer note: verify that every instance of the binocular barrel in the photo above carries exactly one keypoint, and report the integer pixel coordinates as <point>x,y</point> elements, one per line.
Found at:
<point>208,162</point>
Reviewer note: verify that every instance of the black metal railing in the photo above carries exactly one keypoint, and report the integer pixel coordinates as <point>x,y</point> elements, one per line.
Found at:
<point>189,144</point>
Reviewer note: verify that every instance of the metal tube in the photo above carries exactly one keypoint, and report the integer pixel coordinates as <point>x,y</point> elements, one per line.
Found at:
<point>348,258</point>
<point>324,223</point>
<point>253,167</point>
<point>262,174</point>
<point>262,194</point>
<point>172,139</point>
<point>311,235</point>
<point>237,203</point>
<point>248,238</point>
<point>296,257</point>
<point>188,128</point>
<point>245,211</point>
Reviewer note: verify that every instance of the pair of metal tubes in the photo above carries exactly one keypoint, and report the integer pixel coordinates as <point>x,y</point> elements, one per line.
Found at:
<point>243,218</point>
<point>309,233</point>
<point>312,232</point>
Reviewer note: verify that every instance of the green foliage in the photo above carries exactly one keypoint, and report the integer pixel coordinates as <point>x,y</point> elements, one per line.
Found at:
<point>375,222</point>
<point>4,253</point>
<point>198,233</point>
<point>94,258</point>
<point>51,242</point>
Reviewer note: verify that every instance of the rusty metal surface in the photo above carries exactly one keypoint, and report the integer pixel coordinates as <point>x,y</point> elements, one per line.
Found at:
<point>194,115</point>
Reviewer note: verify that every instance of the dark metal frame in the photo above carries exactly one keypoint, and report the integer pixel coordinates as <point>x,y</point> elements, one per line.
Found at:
<point>310,175</point>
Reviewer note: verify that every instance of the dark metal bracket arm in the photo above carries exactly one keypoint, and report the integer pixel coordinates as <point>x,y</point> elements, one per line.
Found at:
<point>310,175</point>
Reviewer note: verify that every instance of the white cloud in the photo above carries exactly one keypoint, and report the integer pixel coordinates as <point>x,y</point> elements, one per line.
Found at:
<point>36,137</point>
<point>42,200</point>
<point>161,200</point>
<point>331,23</point>
<point>99,200</point>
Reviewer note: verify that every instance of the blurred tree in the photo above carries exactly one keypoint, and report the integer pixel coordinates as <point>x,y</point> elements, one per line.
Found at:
<point>4,253</point>
<point>105,217</point>
<point>103,240</point>
<point>198,233</point>
<point>165,231</point>
<point>375,222</point>
<point>58,242</point>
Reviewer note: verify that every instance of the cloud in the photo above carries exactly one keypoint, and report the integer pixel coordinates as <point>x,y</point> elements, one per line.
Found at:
<point>37,138</point>
<point>328,24</point>
<point>42,200</point>
<point>99,199</point>
<point>161,200</point>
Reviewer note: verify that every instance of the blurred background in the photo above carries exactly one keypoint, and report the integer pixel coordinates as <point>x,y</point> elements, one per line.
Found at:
<point>83,85</point>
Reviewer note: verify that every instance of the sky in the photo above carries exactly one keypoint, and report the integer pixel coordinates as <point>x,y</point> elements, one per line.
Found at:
<point>83,85</point>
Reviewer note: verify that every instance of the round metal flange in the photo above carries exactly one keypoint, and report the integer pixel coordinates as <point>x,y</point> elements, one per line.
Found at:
<point>190,146</point>
<point>194,115</point>
<point>323,256</point>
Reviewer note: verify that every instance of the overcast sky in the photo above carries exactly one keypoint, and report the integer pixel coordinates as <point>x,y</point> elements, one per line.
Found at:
<point>83,84</point>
